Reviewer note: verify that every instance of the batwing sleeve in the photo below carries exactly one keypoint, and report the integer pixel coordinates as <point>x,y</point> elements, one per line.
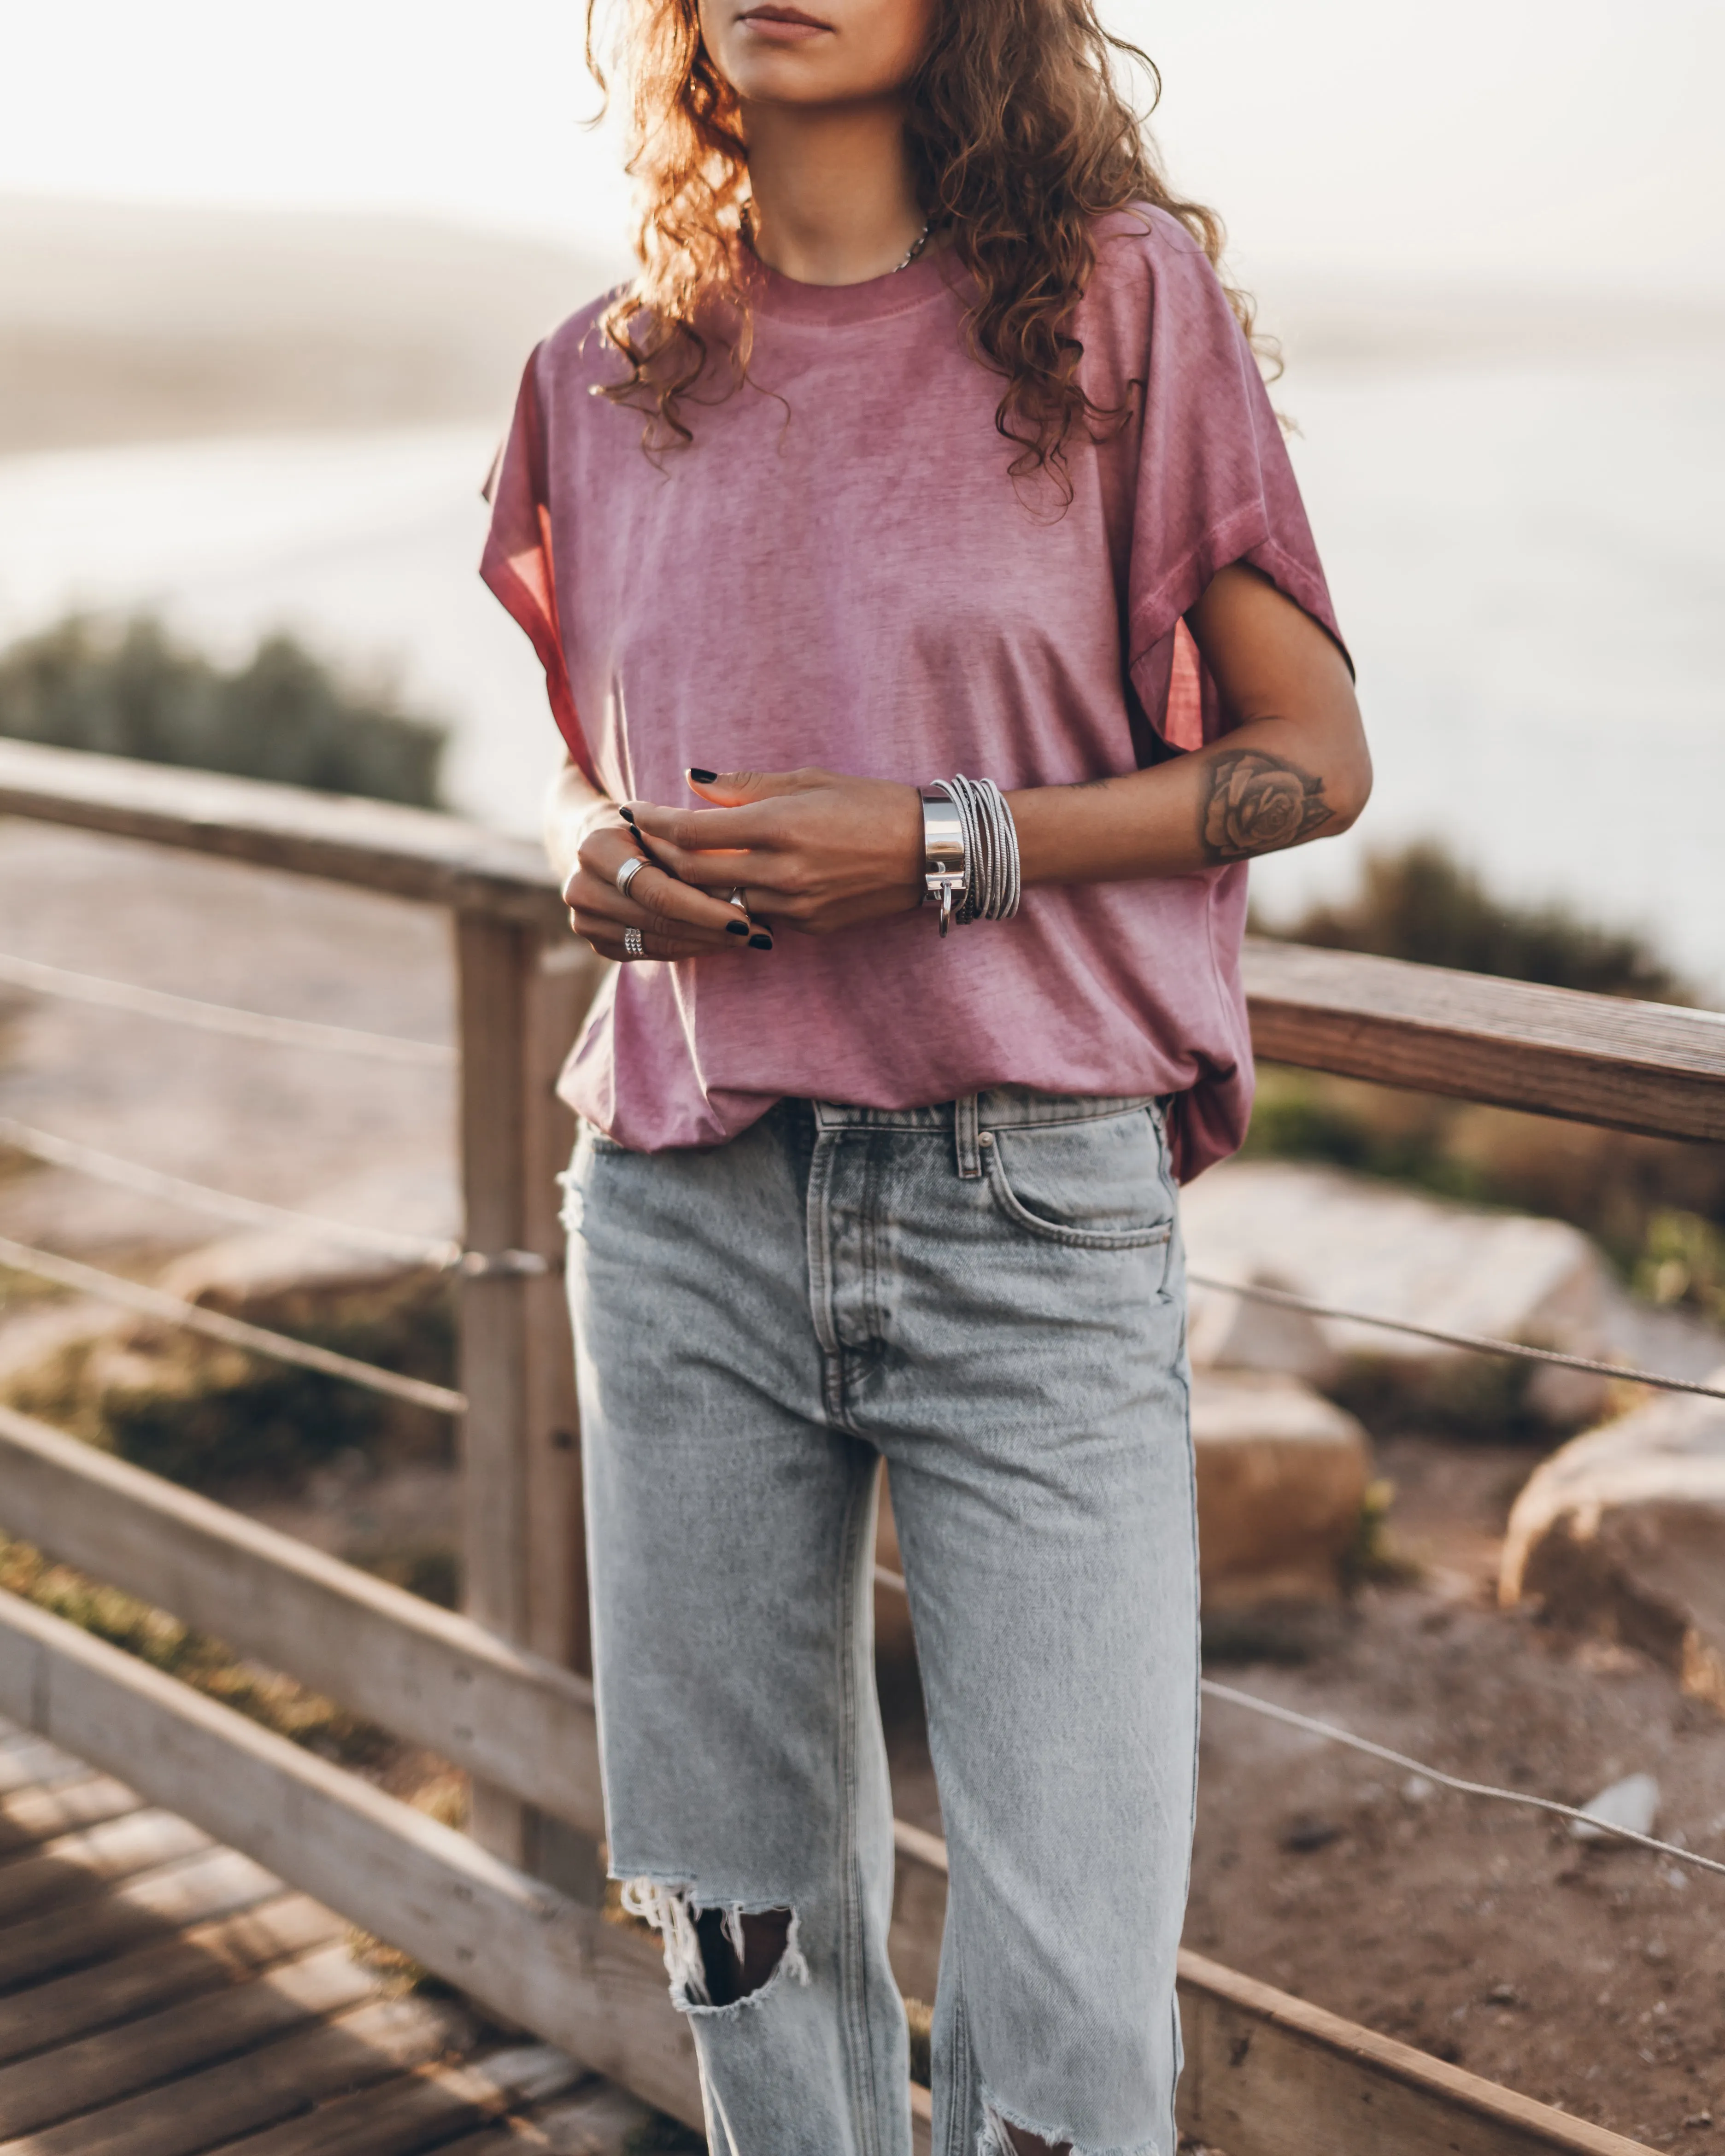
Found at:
<point>517,564</point>
<point>1214,486</point>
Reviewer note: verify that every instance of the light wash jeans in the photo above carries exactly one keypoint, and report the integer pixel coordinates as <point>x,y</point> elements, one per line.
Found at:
<point>989,1295</point>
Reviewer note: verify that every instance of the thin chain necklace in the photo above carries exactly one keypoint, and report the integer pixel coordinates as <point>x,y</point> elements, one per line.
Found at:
<point>917,247</point>
<point>747,224</point>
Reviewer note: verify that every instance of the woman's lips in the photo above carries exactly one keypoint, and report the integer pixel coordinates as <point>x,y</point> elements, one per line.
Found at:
<point>783,26</point>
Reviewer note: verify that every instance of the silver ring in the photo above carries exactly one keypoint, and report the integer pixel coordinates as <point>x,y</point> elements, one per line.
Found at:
<point>627,873</point>
<point>633,947</point>
<point>736,898</point>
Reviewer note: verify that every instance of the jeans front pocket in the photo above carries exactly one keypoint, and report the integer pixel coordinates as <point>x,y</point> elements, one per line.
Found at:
<point>1096,1185</point>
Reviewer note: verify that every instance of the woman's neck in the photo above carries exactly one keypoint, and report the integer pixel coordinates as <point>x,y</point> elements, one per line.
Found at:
<point>834,201</point>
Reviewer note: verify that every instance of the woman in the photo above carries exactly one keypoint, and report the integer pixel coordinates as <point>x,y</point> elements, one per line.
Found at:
<point>927,445</point>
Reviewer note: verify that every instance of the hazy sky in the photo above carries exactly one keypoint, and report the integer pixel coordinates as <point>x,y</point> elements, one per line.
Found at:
<point>1567,139</point>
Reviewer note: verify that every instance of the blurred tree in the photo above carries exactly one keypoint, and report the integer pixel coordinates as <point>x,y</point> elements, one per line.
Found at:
<point>1422,904</point>
<point>130,689</point>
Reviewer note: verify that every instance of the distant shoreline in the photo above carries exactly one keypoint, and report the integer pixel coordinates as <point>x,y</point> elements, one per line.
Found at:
<point>124,324</point>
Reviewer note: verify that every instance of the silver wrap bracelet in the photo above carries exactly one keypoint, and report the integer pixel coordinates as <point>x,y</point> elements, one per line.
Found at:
<point>970,851</point>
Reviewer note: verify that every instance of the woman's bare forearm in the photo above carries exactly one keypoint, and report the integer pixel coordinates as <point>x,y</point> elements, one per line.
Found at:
<point>573,804</point>
<point>1269,784</point>
<point>1295,766</point>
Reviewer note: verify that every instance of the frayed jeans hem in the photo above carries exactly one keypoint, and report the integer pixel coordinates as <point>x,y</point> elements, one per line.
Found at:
<point>993,2139</point>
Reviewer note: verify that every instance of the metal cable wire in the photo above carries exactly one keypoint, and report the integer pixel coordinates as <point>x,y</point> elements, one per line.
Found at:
<point>219,1018</point>
<point>253,1212</point>
<point>1328,1729</point>
<point>232,1331</point>
<point>895,1583</point>
<point>1480,1344</point>
<point>417,1250</point>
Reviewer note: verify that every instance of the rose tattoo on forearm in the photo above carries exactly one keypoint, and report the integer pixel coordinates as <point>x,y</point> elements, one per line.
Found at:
<point>1255,803</point>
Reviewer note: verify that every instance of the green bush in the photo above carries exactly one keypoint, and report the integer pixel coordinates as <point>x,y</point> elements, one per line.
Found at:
<point>213,1417</point>
<point>1683,1261</point>
<point>1423,905</point>
<point>129,689</point>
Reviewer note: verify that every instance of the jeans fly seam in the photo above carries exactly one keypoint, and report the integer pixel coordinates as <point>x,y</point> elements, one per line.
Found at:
<point>874,1183</point>
<point>818,1222</point>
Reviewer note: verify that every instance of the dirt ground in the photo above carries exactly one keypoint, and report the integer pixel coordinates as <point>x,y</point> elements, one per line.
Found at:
<point>1482,1933</point>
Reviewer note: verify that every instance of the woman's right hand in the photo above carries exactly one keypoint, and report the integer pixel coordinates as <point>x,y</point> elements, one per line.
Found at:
<point>676,919</point>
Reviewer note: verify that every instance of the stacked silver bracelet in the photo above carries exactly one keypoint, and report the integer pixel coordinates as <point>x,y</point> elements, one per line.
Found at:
<point>970,851</point>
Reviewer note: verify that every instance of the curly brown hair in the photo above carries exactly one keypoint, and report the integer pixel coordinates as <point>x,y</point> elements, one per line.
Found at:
<point>1020,137</point>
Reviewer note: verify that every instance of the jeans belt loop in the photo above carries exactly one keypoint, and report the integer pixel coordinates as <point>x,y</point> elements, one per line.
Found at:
<point>964,1136</point>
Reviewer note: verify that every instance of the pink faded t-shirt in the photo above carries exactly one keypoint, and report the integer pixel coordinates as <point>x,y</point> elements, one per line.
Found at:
<point>841,572</point>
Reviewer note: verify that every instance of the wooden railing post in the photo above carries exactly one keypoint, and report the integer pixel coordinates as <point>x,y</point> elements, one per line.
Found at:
<point>521,1000</point>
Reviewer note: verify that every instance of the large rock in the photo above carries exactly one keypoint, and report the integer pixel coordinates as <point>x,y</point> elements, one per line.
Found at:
<point>1233,1331</point>
<point>1282,1475</point>
<point>1353,1242</point>
<point>1622,1533</point>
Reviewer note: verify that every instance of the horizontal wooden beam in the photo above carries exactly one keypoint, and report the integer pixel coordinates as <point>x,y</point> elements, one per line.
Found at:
<point>597,1989</point>
<point>1646,1067</point>
<point>408,852</point>
<point>1633,1066</point>
<point>439,1679</point>
<point>1267,2074</point>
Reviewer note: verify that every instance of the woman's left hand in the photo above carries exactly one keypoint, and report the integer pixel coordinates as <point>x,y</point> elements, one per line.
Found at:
<point>813,850</point>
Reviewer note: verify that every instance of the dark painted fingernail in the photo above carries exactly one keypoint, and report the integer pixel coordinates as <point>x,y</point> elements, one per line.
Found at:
<point>702,778</point>
<point>627,814</point>
<point>760,943</point>
<point>737,928</point>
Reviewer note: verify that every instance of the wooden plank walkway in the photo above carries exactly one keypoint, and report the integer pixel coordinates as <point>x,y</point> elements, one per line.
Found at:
<point>161,1995</point>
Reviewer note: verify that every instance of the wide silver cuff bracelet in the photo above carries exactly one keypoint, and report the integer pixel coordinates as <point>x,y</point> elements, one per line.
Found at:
<point>946,865</point>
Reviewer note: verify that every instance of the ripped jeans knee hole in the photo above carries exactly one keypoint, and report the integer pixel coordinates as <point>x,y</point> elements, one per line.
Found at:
<point>719,1957</point>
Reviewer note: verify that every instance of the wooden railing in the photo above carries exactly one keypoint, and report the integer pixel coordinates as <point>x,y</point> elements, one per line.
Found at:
<point>510,1913</point>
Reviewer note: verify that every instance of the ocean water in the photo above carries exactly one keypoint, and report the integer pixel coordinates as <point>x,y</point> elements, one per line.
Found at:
<point>1528,559</point>
<point>1529,564</point>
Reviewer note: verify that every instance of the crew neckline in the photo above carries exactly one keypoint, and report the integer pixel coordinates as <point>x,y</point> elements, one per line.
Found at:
<point>771,292</point>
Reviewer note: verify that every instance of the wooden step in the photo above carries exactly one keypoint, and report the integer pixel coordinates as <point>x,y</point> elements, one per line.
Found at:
<point>179,2039</point>
<point>73,1865</point>
<point>206,1958</point>
<point>38,1814</point>
<point>208,2110</point>
<point>216,1883</point>
<point>425,2110</point>
<point>26,1757</point>
<point>599,2119</point>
